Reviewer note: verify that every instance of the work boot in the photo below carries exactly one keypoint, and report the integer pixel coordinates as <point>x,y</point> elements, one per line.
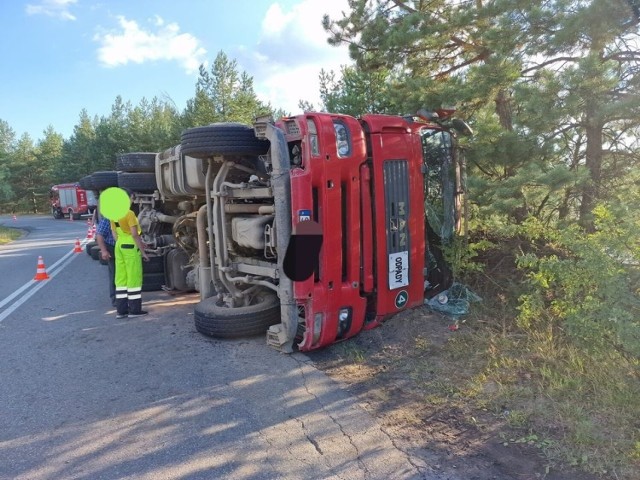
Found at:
<point>135,307</point>
<point>122,307</point>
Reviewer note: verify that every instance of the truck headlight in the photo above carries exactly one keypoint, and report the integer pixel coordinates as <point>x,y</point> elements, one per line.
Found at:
<point>343,139</point>
<point>344,321</point>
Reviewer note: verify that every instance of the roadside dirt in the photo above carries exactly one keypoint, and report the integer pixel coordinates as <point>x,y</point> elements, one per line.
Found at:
<point>400,373</point>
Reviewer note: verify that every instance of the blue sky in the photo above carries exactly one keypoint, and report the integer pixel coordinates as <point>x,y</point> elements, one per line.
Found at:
<point>60,56</point>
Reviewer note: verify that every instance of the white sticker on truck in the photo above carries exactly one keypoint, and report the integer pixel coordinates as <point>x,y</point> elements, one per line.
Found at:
<point>398,269</point>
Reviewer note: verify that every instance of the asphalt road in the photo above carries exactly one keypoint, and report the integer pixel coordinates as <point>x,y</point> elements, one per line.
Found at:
<point>86,396</point>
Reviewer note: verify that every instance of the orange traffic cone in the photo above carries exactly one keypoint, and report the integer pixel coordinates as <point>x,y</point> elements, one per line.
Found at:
<point>15,218</point>
<point>41,272</point>
<point>90,233</point>
<point>77,248</point>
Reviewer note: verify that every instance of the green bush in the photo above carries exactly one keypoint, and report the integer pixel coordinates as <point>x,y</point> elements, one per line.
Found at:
<point>585,283</point>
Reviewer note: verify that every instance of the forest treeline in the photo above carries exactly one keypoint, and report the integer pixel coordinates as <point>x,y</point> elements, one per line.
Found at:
<point>29,167</point>
<point>551,90</point>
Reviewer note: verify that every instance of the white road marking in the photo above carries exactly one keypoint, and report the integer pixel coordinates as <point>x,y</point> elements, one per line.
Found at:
<point>37,285</point>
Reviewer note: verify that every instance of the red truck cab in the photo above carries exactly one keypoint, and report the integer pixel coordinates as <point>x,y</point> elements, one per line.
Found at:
<point>366,182</point>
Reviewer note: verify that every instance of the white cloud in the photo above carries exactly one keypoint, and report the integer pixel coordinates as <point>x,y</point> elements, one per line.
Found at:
<point>292,50</point>
<point>303,24</point>
<point>132,44</point>
<point>52,8</point>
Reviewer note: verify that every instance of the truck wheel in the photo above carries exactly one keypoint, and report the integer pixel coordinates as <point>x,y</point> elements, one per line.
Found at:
<point>224,322</point>
<point>152,282</point>
<point>74,216</point>
<point>222,139</point>
<point>89,246</point>
<point>86,182</point>
<point>95,252</point>
<point>154,265</point>
<point>136,162</point>
<point>141,182</point>
<point>102,180</point>
<point>57,214</point>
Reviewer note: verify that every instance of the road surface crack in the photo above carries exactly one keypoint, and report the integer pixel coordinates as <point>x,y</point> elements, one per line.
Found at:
<point>362,465</point>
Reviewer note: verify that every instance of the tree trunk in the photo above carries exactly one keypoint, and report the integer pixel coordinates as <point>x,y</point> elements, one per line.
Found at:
<point>503,109</point>
<point>593,162</point>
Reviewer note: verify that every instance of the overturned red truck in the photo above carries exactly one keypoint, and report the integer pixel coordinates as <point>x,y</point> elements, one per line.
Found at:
<point>382,193</point>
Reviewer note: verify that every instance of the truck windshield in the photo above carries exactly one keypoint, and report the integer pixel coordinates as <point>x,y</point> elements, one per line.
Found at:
<point>439,182</point>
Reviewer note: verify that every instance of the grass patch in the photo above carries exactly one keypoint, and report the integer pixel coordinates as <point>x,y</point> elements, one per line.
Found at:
<point>580,408</point>
<point>351,351</point>
<point>8,235</point>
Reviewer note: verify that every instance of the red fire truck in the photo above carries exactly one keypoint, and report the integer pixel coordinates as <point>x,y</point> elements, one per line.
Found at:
<point>69,200</point>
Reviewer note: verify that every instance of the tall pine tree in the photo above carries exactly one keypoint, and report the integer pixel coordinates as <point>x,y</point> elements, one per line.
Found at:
<point>550,87</point>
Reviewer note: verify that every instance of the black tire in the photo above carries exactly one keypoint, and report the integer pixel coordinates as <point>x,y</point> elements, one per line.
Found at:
<point>142,182</point>
<point>86,182</point>
<point>222,322</point>
<point>136,162</point>
<point>152,282</point>
<point>95,252</point>
<point>73,216</point>
<point>154,265</point>
<point>102,180</point>
<point>222,139</point>
<point>88,246</point>
<point>56,213</point>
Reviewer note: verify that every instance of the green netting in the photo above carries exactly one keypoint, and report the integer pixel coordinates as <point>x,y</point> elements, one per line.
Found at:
<point>454,302</point>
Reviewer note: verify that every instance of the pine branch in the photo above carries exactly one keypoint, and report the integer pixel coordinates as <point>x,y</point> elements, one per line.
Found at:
<point>481,56</point>
<point>627,56</point>
<point>403,6</point>
<point>486,172</point>
<point>550,62</point>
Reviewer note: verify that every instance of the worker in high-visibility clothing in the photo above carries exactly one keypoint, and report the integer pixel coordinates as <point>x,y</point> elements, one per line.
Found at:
<point>129,252</point>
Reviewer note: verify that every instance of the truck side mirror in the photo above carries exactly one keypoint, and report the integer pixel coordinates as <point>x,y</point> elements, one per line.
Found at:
<point>428,115</point>
<point>461,127</point>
